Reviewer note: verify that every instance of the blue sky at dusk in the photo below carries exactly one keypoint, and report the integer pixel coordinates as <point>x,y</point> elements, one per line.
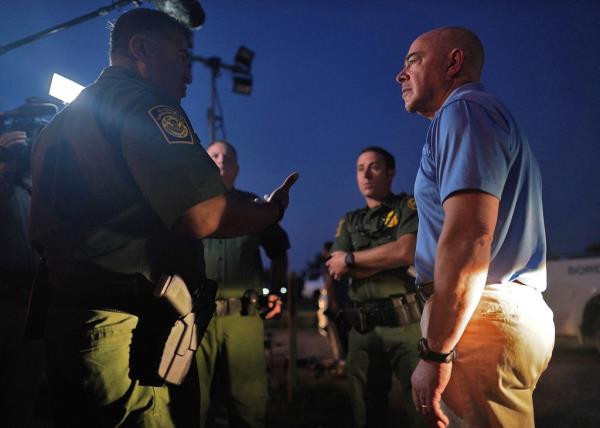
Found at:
<point>324,88</point>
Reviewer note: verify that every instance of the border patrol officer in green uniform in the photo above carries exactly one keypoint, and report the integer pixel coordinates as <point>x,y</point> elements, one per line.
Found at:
<point>231,357</point>
<point>122,194</point>
<point>375,246</point>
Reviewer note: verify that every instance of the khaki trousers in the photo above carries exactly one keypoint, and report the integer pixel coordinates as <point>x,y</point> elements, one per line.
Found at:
<point>92,374</point>
<point>231,361</point>
<point>501,355</point>
<point>373,358</point>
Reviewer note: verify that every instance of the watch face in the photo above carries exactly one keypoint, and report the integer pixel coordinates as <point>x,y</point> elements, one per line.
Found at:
<point>349,259</point>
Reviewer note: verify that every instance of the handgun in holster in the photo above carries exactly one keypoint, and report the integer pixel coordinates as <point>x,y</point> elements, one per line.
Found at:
<point>194,312</point>
<point>356,317</point>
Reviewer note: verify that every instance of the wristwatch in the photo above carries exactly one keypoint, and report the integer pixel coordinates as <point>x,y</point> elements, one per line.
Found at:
<point>349,259</point>
<point>427,354</point>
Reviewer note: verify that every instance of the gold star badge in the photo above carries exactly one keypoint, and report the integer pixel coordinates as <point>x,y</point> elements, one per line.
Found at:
<point>391,219</point>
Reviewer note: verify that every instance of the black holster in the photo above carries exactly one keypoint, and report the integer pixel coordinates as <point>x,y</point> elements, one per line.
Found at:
<point>396,311</point>
<point>356,317</point>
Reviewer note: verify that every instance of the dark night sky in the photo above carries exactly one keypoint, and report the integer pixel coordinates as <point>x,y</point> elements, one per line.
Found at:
<point>324,88</point>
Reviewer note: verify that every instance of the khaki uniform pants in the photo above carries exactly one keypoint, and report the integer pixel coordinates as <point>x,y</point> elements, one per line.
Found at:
<point>231,358</point>
<point>504,350</point>
<point>373,358</point>
<point>91,380</point>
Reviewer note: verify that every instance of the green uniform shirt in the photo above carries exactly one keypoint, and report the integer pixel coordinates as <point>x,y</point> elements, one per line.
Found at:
<point>236,264</point>
<point>112,173</point>
<point>371,227</point>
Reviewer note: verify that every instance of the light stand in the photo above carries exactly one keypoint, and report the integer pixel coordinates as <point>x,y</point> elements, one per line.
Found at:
<point>189,12</point>
<point>105,10</point>
<point>242,84</point>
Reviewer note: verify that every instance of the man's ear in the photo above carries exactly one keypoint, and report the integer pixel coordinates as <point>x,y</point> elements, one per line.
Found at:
<point>138,47</point>
<point>456,58</point>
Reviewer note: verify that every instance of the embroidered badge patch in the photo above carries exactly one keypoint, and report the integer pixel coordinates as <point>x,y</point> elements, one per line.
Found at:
<point>172,124</point>
<point>391,219</point>
<point>340,227</point>
<point>412,204</point>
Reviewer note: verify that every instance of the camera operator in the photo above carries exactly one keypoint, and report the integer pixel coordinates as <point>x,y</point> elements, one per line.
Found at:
<point>20,360</point>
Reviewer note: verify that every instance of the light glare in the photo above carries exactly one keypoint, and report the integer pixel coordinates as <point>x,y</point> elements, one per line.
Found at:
<point>64,89</point>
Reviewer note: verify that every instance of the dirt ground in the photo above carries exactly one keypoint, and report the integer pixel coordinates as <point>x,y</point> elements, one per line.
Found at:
<point>568,394</point>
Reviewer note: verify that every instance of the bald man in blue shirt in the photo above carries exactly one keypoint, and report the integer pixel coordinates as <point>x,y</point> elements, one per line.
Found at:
<point>481,248</point>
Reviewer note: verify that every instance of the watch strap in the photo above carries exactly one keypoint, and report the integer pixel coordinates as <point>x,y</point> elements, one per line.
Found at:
<point>349,259</point>
<point>427,354</point>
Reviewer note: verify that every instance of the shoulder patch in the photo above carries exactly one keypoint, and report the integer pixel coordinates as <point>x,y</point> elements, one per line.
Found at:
<point>391,219</point>
<point>411,203</point>
<point>340,227</point>
<point>172,124</point>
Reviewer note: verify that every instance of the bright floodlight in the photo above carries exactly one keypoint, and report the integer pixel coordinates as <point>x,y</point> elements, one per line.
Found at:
<point>283,290</point>
<point>64,89</point>
<point>266,291</point>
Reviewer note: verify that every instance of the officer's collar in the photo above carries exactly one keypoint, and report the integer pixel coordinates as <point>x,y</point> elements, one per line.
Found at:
<point>120,72</point>
<point>117,71</point>
<point>389,200</point>
<point>386,203</point>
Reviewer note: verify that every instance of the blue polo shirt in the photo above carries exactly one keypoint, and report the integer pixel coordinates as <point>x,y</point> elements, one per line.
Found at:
<point>473,143</point>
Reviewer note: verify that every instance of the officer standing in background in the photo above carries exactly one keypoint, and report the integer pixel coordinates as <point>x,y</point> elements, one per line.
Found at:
<point>231,357</point>
<point>374,246</point>
<point>123,192</point>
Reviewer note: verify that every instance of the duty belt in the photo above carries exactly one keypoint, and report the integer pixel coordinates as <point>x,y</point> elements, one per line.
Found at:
<point>395,311</point>
<point>235,306</point>
<point>130,293</point>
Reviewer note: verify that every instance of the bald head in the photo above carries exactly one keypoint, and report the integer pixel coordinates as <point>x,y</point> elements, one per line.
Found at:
<point>446,39</point>
<point>437,63</point>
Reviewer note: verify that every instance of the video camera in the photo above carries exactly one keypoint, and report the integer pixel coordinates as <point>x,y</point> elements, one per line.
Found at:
<point>29,118</point>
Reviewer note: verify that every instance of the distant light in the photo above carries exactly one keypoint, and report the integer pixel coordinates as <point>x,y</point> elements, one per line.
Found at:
<point>242,84</point>
<point>244,57</point>
<point>265,291</point>
<point>64,89</point>
<point>283,290</point>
